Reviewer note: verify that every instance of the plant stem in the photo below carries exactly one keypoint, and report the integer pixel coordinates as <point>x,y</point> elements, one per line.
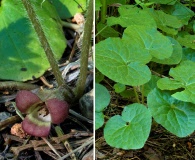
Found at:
<point>143,94</point>
<point>103,11</point>
<point>17,85</point>
<point>136,95</point>
<point>70,25</point>
<point>190,4</point>
<point>85,51</point>
<point>47,48</point>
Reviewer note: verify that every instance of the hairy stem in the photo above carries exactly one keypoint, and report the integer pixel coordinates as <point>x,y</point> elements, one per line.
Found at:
<point>136,94</point>
<point>46,46</point>
<point>103,11</point>
<point>17,85</point>
<point>85,51</point>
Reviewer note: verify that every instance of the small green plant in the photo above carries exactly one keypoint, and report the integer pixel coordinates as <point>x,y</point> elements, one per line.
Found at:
<point>154,57</point>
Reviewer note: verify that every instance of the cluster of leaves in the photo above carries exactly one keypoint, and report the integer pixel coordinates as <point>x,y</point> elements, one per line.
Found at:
<point>138,41</point>
<point>19,43</point>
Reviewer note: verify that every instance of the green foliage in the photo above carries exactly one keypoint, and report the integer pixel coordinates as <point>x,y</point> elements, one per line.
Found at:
<point>176,116</point>
<point>129,130</point>
<point>22,56</point>
<point>151,61</point>
<point>180,11</point>
<point>115,56</point>
<point>165,22</point>
<point>176,56</point>
<point>184,77</point>
<point>118,87</point>
<point>169,2</point>
<point>127,17</point>
<point>106,31</point>
<point>102,99</point>
<point>149,86</point>
<point>68,8</point>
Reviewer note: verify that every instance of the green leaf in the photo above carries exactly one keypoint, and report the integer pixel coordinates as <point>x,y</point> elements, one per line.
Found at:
<point>131,130</point>
<point>184,77</point>
<point>116,1</point>
<point>68,8</point>
<point>99,120</point>
<point>106,31</point>
<point>183,13</point>
<point>127,17</point>
<point>165,22</point>
<point>176,116</point>
<point>149,86</point>
<point>98,76</point>
<point>187,40</point>
<point>168,84</point>
<point>168,2</point>
<point>97,5</point>
<point>127,93</point>
<point>22,57</point>
<point>188,54</point>
<point>117,60</point>
<point>176,56</point>
<point>148,40</point>
<point>102,97</point>
<point>119,87</point>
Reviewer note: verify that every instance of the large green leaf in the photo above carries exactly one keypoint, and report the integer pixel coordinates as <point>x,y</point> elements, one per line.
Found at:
<point>22,57</point>
<point>183,13</point>
<point>148,40</point>
<point>184,77</point>
<point>68,8</point>
<point>165,22</point>
<point>149,86</point>
<point>176,116</point>
<point>176,56</point>
<point>102,99</point>
<point>106,31</point>
<point>188,54</point>
<point>131,130</point>
<point>119,61</point>
<point>99,120</point>
<point>115,1</point>
<point>187,40</point>
<point>118,87</point>
<point>131,15</point>
<point>168,2</point>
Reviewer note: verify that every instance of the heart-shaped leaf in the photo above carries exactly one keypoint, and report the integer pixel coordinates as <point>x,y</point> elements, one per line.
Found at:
<point>118,87</point>
<point>176,116</point>
<point>188,54</point>
<point>184,77</point>
<point>22,56</point>
<point>131,130</point>
<point>127,17</point>
<point>148,41</point>
<point>165,22</point>
<point>99,120</point>
<point>180,11</point>
<point>119,61</point>
<point>168,2</point>
<point>102,99</point>
<point>176,56</point>
<point>149,86</point>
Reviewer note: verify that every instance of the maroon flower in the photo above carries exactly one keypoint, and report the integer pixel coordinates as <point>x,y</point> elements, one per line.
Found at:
<point>40,114</point>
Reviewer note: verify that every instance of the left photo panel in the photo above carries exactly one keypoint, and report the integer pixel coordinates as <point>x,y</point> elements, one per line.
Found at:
<point>46,79</point>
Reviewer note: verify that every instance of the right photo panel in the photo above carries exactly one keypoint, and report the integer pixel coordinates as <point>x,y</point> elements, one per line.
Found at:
<point>144,80</point>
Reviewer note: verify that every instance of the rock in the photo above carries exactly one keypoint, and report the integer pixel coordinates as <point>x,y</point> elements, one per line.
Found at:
<point>86,104</point>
